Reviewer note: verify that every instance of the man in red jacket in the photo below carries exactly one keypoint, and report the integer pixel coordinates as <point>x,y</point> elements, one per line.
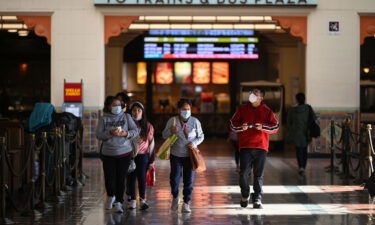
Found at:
<point>254,122</point>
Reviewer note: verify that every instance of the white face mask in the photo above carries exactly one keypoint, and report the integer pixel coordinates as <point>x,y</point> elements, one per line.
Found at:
<point>253,98</point>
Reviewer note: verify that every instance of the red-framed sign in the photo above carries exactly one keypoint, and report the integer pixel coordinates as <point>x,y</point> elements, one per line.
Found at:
<point>73,92</point>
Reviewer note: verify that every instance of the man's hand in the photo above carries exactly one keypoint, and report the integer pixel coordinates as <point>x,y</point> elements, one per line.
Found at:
<point>258,126</point>
<point>174,129</point>
<point>245,126</point>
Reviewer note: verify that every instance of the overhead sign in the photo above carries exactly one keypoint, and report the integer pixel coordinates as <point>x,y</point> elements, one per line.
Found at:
<point>72,92</point>
<point>209,2</point>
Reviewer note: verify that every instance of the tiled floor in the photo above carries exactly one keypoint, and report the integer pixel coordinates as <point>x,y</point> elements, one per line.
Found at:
<point>318,199</point>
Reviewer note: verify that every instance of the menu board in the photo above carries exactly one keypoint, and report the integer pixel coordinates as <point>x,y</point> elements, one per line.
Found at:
<point>220,72</point>
<point>201,48</point>
<point>141,73</point>
<point>164,73</point>
<point>201,72</point>
<point>182,71</point>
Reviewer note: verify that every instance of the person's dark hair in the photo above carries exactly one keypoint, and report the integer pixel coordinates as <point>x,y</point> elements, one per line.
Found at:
<point>108,102</point>
<point>261,91</point>
<point>182,102</point>
<point>124,98</point>
<point>143,123</point>
<point>300,97</point>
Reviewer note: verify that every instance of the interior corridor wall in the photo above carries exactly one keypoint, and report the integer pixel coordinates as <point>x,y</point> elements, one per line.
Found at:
<point>333,64</point>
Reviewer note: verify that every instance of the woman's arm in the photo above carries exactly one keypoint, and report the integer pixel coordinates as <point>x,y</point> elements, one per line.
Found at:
<point>101,133</point>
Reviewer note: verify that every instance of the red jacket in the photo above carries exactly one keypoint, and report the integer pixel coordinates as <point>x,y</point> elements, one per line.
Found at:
<point>253,138</point>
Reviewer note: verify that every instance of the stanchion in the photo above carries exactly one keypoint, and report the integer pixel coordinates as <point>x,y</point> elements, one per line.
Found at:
<point>370,150</point>
<point>4,220</point>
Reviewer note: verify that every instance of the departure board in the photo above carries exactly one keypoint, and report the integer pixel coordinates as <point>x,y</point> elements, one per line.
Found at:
<point>200,48</point>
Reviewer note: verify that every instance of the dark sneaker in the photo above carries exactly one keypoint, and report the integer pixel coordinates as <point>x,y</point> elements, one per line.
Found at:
<point>144,205</point>
<point>244,202</point>
<point>257,204</point>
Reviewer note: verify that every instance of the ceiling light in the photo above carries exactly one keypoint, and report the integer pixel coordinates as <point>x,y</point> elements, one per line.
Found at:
<point>9,17</point>
<point>366,70</point>
<point>204,18</point>
<point>159,26</point>
<point>222,26</point>
<point>12,26</point>
<point>244,26</point>
<point>252,18</point>
<point>228,18</point>
<point>156,18</point>
<point>12,30</point>
<point>180,18</point>
<point>201,26</point>
<point>268,18</point>
<point>180,26</point>
<point>139,26</point>
<point>23,33</point>
<point>265,26</point>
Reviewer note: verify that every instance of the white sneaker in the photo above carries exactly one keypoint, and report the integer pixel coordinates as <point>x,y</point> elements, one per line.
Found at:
<point>186,208</point>
<point>132,204</point>
<point>110,201</point>
<point>175,202</point>
<point>118,207</point>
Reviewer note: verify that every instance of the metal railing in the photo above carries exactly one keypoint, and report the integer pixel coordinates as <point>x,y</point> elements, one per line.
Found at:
<point>50,157</point>
<point>355,151</point>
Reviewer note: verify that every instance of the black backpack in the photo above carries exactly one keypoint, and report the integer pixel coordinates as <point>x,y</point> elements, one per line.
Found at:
<point>313,127</point>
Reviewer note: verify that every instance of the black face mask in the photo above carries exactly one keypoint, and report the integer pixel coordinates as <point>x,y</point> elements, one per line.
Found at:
<point>123,105</point>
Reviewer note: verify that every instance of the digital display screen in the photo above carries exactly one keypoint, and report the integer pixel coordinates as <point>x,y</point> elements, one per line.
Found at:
<point>164,73</point>
<point>220,72</point>
<point>201,72</point>
<point>141,73</point>
<point>182,71</point>
<point>201,48</point>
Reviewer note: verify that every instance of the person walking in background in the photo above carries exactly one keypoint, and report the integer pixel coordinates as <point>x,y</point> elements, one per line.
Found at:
<point>254,122</point>
<point>115,130</point>
<point>143,158</point>
<point>190,135</point>
<point>297,121</point>
<point>125,101</point>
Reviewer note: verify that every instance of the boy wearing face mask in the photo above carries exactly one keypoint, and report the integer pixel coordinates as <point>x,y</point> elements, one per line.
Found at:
<point>115,130</point>
<point>253,122</point>
<point>190,134</point>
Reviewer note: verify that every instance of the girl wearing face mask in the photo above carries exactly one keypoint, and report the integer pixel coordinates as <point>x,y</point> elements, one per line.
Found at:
<point>143,159</point>
<point>190,134</point>
<point>115,130</point>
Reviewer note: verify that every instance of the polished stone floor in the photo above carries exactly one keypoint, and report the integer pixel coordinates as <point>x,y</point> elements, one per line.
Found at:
<point>319,198</point>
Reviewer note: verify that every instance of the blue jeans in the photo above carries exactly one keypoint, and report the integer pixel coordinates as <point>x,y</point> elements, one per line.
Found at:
<point>181,166</point>
<point>141,162</point>
<point>252,159</point>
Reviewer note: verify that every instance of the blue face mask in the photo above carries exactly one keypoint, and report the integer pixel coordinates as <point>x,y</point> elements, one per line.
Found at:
<point>136,119</point>
<point>185,114</point>
<point>116,110</point>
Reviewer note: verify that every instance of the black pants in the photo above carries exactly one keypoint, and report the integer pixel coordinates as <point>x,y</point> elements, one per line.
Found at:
<point>181,166</point>
<point>115,172</point>
<point>252,159</point>
<point>236,151</point>
<point>141,162</point>
<point>301,156</point>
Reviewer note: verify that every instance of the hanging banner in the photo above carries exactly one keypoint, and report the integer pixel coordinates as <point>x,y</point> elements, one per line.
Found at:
<point>209,2</point>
